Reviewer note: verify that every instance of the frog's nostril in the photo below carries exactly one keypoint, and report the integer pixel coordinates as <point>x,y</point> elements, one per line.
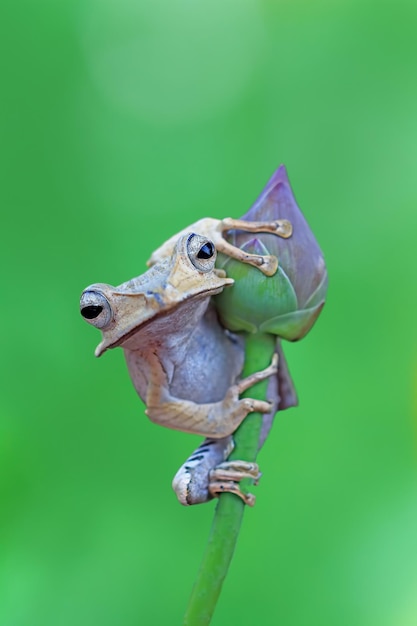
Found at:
<point>91,312</point>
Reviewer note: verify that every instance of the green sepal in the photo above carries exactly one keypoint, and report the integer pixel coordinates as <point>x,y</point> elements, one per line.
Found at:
<point>254,298</point>
<point>292,326</point>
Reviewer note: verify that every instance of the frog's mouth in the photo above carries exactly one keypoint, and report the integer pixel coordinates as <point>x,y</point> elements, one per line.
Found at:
<point>156,328</point>
<point>121,312</point>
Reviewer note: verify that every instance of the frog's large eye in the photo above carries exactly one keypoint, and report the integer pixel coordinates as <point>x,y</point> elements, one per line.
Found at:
<point>201,252</point>
<point>95,309</point>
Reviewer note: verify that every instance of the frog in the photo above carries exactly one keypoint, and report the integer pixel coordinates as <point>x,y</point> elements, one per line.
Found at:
<point>183,364</point>
<point>214,228</point>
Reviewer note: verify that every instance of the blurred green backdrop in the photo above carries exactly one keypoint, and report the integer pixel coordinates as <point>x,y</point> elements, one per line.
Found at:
<point>123,121</point>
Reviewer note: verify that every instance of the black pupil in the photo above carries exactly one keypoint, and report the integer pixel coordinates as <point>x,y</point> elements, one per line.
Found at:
<point>206,251</point>
<point>91,312</point>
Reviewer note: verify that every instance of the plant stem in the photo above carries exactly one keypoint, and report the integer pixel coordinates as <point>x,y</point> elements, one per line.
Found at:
<point>228,516</point>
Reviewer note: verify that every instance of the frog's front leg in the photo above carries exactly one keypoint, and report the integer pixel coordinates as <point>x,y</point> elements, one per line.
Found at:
<point>214,229</point>
<point>206,474</point>
<point>216,419</point>
<point>267,264</point>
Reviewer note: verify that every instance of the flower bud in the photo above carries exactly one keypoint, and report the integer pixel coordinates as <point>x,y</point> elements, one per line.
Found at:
<point>288,303</point>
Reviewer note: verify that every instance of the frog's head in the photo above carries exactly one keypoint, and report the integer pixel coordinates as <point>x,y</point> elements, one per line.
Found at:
<point>120,311</point>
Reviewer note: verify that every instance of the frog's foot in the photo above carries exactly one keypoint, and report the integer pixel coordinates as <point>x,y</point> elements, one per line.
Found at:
<point>226,477</point>
<point>267,264</point>
<point>234,410</point>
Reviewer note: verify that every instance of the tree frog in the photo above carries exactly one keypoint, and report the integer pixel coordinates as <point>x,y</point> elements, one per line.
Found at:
<point>214,229</point>
<point>184,365</point>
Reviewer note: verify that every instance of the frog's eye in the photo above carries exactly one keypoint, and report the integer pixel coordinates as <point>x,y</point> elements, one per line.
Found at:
<point>95,309</point>
<point>201,252</point>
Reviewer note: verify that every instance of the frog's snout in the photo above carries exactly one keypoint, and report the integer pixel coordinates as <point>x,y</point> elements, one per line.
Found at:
<point>95,308</point>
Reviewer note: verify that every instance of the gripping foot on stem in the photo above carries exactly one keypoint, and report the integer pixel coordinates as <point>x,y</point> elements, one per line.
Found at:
<point>226,477</point>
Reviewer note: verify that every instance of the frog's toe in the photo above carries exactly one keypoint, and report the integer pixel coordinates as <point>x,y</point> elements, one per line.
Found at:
<point>258,406</point>
<point>218,487</point>
<point>226,477</point>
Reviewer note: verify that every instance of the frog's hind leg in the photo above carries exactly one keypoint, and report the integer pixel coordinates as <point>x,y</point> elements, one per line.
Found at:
<point>206,474</point>
<point>191,482</point>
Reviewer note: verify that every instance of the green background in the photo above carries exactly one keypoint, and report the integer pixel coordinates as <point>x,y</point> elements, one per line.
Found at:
<point>123,121</point>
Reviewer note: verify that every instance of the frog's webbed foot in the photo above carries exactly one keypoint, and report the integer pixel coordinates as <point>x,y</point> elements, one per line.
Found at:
<point>267,264</point>
<point>206,474</point>
<point>227,475</point>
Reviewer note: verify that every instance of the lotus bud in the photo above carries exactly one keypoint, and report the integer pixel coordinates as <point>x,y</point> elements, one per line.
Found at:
<point>288,303</point>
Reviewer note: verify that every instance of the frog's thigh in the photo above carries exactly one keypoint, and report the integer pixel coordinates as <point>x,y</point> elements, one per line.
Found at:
<point>191,482</point>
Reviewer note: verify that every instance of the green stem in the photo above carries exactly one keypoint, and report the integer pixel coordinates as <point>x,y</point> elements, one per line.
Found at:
<point>228,516</point>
